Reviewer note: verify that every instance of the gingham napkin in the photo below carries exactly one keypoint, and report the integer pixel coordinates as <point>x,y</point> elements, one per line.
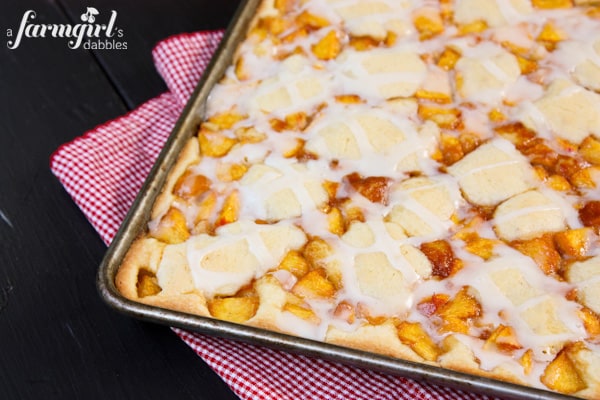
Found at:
<point>103,171</point>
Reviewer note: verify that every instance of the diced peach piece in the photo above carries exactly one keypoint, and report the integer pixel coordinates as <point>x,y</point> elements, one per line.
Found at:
<point>590,150</point>
<point>299,152</point>
<point>433,96</point>
<point>390,39</point>
<point>458,312</point>
<point>548,4</point>
<point>540,153</point>
<point>542,175</point>
<point>567,166</point>
<point>515,49</point>
<point>292,152</point>
<point>474,244</point>
<point>335,277</point>
<point>277,125</point>
<point>172,227</point>
<point>374,188</point>
<point>273,25</point>
<point>591,321</point>
<point>297,121</point>
<point>592,12</point>
<point>230,210</point>
<point>413,335</point>
<point>237,171</point>
<point>452,324</point>
<point>363,43</point>
<point>504,339</point>
<point>495,115</point>
<point>295,263</point>
<point>304,155</point>
<point>335,219</point>
<point>345,311</point>
<point>526,361</point>
<point>294,35</point>
<point>191,185</point>
<point>472,27</point>
<point>240,69</point>
<point>301,312</point>
<point>526,66</point>
<point>430,305</point>
<point>201,227</point>
<point>314,285</point>
<point>213,144</point>
<point>589,214</point>
<point>331,188</point>
<point>233,309</point>
<point>259,32</point>
<point>328,47</point>
<point>312,21</point>
<point>349,99</point>
<point>147,284</point>
<point>225,120</point>
<point>448,118</point>
<point>352,214</point>
<point>315,250</point>
<point>562,374</point>
<point>516,133</point>
<point>447,9</point>
<point>284,6</point>
<point>428,23</point>
<point>206,207</point>
<point>585,178</point>
<point>451,149</point>
<point>542,251</point>
<point>469,142</point>
<point>249,135</point>
<point>448,58</point>
<point>285,54</point>
<point>550,34</point>
<point>574,242</point>
<point>440,253</point>
<point>558,182</point>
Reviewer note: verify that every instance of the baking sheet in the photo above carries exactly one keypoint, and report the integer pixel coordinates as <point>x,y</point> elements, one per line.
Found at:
<point>139,215</point>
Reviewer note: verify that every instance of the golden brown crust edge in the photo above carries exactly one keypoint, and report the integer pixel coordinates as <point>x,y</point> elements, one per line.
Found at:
<point>190,154</point>
<point>146,253</point>
<point>457,357</point>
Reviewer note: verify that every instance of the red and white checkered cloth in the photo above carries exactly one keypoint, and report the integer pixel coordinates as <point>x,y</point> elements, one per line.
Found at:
<point>103,171</point>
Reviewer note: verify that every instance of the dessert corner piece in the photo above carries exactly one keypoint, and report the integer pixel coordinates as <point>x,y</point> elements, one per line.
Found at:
<point>414,179</point>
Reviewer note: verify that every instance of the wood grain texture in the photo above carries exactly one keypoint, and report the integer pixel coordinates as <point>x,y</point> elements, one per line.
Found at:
<point>144,24</point>
<point>57,339</point>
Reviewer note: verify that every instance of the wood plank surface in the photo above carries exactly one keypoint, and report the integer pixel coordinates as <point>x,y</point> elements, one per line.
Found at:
<point>57,339</point>
<point>144,24</point>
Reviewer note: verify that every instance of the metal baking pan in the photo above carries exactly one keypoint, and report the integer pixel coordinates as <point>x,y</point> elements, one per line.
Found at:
<point>139,215</point>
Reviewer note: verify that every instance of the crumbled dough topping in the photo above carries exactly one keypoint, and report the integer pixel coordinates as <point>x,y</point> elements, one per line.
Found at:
<point>419,179</point>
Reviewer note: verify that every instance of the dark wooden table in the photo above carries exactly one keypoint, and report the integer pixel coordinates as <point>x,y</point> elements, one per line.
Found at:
<point>57,339</point>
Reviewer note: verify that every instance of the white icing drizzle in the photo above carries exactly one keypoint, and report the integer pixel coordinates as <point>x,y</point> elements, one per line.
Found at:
<point>525,211</point>
<point>270,74</point>
<point>474,171</point>
<point>566,203</point>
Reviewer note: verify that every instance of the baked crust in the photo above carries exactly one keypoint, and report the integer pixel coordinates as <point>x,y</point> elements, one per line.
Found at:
<point>190,155</point>
<point>146,254</point>
<point>400,179</point>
